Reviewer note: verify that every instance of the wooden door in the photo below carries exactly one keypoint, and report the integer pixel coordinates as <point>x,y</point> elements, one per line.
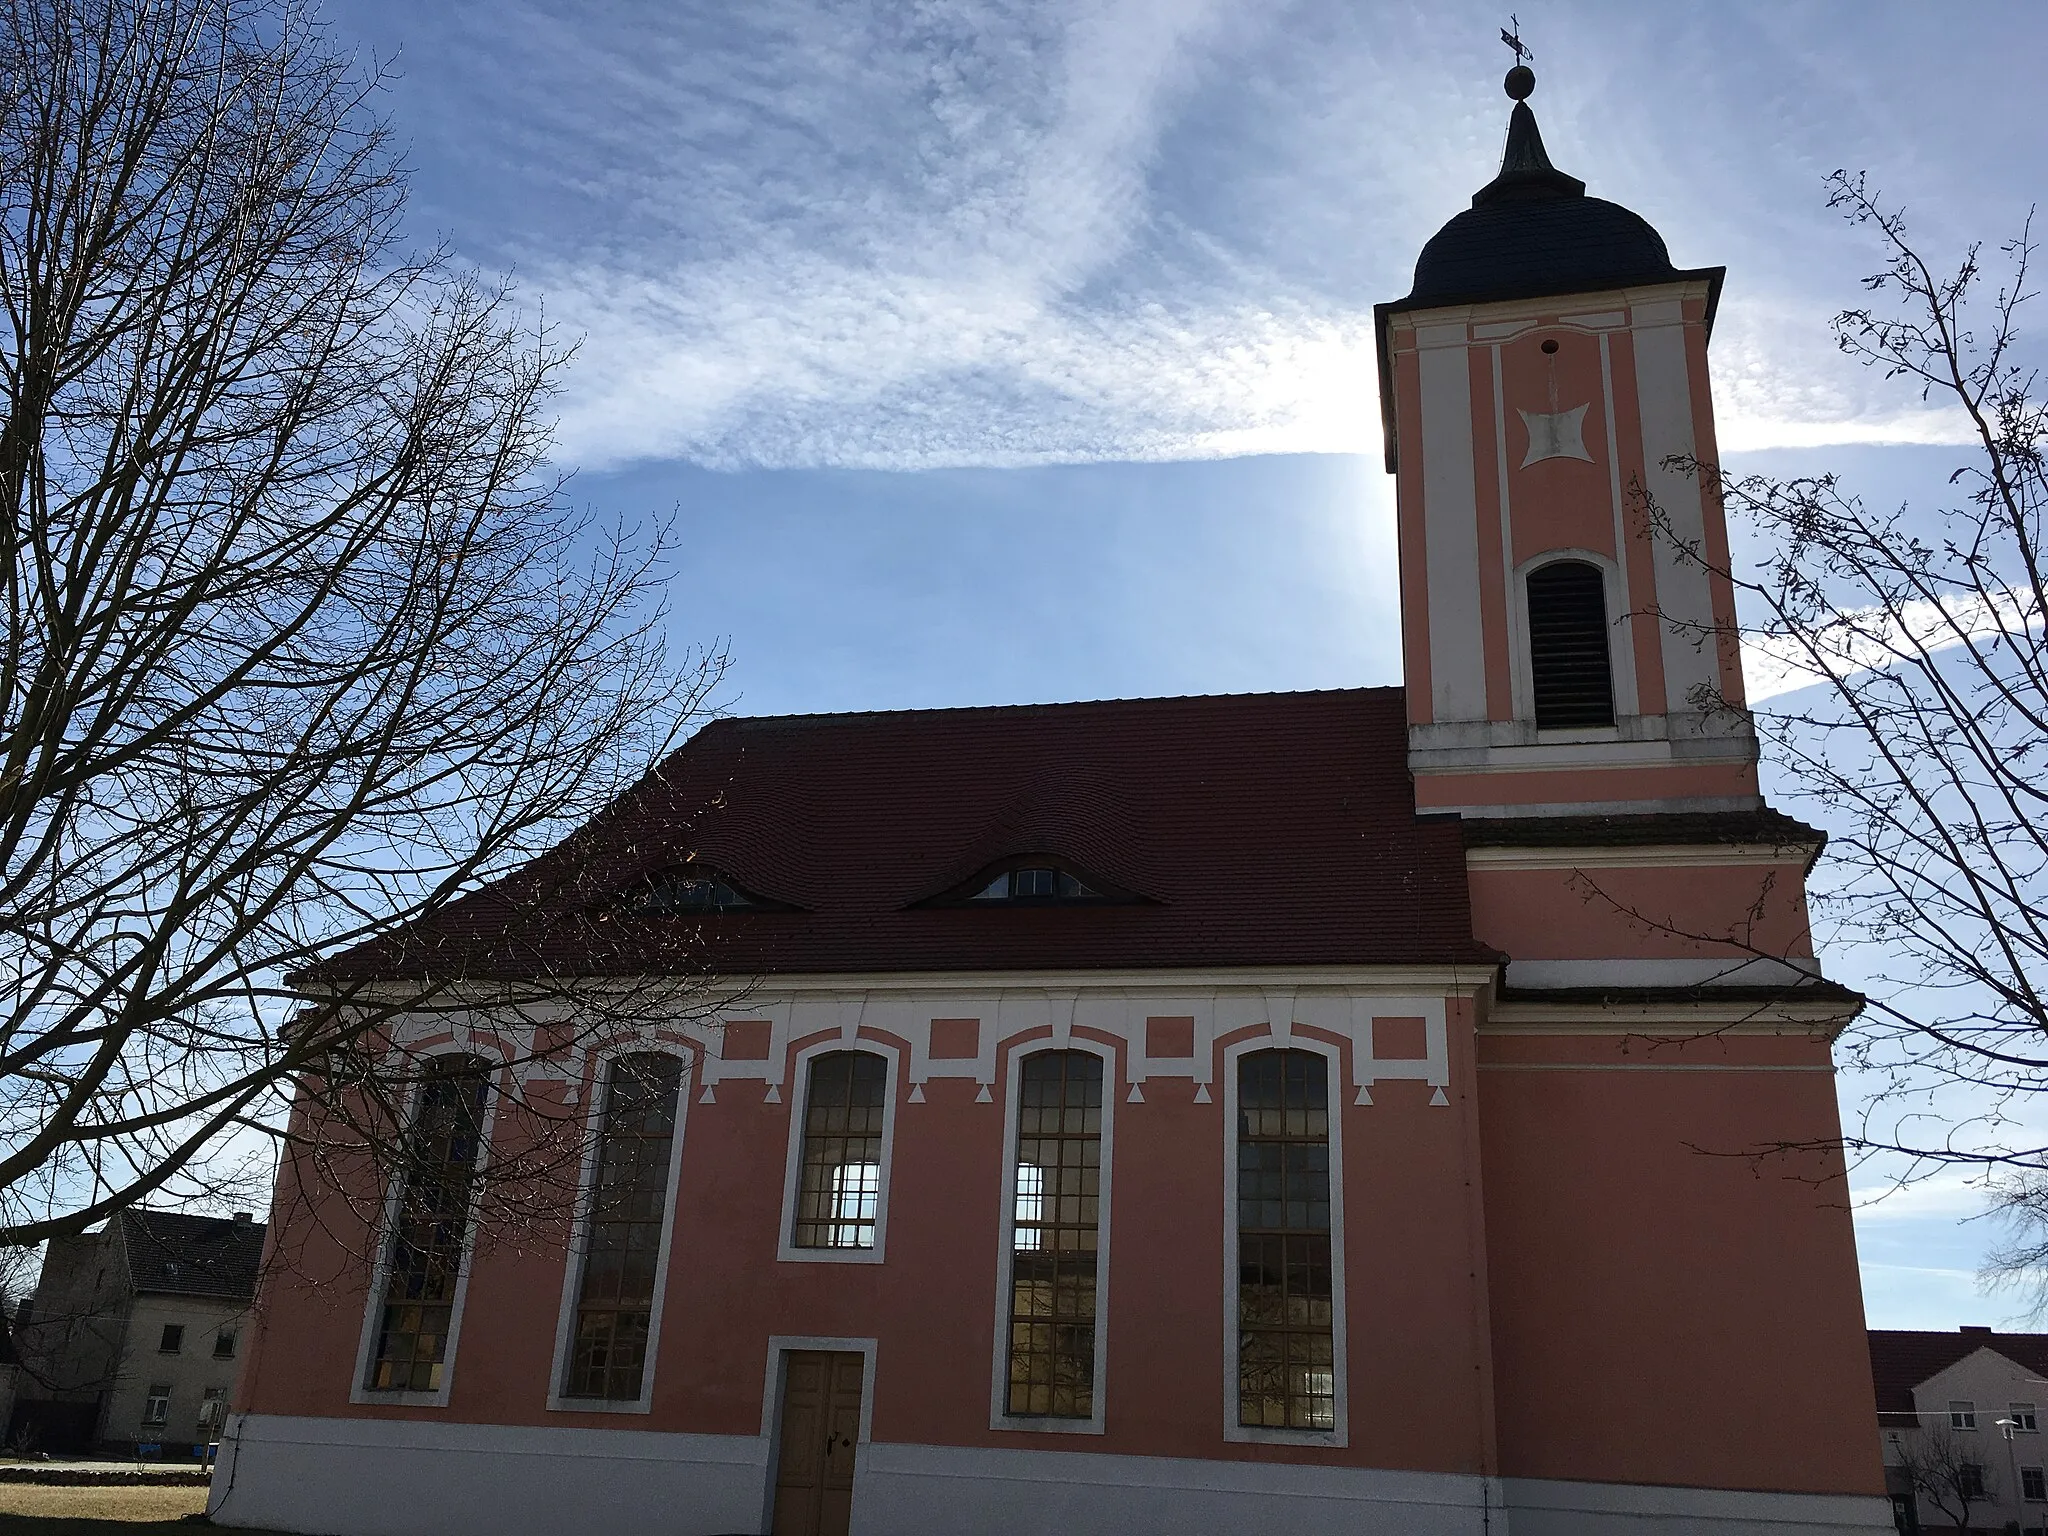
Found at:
<point>820,1428</point>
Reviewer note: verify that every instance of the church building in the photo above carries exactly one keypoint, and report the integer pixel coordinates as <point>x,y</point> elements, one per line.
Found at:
<point>1325,1112</point>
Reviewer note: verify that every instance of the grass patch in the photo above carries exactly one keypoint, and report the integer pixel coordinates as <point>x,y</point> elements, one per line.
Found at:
<point>34,1509</point>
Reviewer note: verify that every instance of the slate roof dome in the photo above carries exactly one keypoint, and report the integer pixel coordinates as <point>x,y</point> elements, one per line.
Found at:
<point>1532,232</point>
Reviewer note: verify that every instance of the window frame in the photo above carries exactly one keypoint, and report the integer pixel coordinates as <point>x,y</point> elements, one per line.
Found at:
<point>233,1339</point>
<point>2025,1418</point>
<point>2040,1481</point>
<point>151,1397</point>
<point>1337,1437</point>
<point>798,1099</point>
<point>1962,1415</point>
<point>1621,659</point>
<point>999,1416</point>
<point>596,1088</point>
<point>166,1344</point>
<point>380,1272</point>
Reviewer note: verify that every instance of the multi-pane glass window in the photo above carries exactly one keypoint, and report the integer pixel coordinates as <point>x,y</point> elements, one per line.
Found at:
<point>622,1245</point>
<point>1286,1368</point>
<point>156,1407</point>
<point>430,1229</point>
<point>839,1185</point>
<point>1057,1209</point>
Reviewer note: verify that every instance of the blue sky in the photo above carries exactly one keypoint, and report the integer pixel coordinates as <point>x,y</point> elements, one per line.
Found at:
<point>1003,350</point>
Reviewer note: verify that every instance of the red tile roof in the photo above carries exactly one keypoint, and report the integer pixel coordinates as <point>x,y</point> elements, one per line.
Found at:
<point>1263,829</point>
<point>1901,1359</point>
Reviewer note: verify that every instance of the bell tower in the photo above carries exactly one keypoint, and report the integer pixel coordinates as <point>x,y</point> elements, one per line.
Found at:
<point>1548,365</point>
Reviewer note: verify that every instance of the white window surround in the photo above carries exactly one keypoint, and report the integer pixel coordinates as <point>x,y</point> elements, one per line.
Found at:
<point>780,1347</point>
<point>380,1273</point>
<point>1962,1413</point>
<point>1339,1437</point>
<point>572,1271</point>
<point>2024,1419</point>
<point>999,1416</point>
<point>1621,651</point>
<point>786,1250</point>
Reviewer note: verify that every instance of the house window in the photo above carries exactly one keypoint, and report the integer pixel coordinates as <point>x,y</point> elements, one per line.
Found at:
<point>156,1407</point>
<point>1962,1415</point>
<point>431,1228</point>
<point>1970,1480</point>
<point>839,1189</point>
<point>1057,1210</point>
<point>173,1340</point>
<point>212,1411</point>
<point>622,1246</point>
<point>1286,1311</point>
<point>1569,665</point>
<point>2034,1485</point>
<point>224,1344</point>
<point>2022,1416</point>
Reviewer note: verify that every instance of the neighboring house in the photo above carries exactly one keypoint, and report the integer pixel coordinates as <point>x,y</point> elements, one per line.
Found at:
<point>135,1333</point>
<point>1986,1394</point>
<point>1291,1113</point>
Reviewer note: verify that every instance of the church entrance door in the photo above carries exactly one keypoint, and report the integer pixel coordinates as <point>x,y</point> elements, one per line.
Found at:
<point>820,1428</point>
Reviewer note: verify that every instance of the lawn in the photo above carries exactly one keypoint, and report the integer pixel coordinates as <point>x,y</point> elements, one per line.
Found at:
<point>35,1509</point>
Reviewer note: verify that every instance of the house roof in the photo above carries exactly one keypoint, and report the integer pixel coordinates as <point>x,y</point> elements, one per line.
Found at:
<point>1260,829</point>
<point>178,1255</point>
<point>1902,1359</point>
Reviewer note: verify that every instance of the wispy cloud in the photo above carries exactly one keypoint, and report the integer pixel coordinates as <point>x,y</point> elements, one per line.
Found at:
<point>984,232</point>
<point>1864,640</point>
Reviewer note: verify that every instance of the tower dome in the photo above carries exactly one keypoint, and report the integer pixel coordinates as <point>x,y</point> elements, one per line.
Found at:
<point>1532,232</point>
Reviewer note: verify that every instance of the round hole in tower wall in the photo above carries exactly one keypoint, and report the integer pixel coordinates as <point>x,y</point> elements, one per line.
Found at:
<point>1550,346</point>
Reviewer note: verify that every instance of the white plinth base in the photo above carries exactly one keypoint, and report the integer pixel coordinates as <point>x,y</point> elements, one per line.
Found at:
<point>382,1477</point>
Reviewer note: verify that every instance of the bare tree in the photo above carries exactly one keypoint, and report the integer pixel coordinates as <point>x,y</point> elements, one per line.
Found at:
<point>1915,727</point>
<point>1942,1470</point>
<point>303,641</point>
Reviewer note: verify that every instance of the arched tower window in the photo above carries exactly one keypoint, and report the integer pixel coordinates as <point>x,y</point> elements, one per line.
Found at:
<point>1568,656</point>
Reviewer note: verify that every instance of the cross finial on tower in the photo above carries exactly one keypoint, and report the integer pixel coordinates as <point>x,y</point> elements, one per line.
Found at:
<point>1511,34</point>
<point>1521,79</point>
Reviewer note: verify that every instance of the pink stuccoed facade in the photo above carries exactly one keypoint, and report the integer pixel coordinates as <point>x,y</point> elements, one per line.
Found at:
<point>1401,1047</point>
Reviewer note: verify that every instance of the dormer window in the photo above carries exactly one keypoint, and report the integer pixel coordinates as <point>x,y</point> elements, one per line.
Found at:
<point>1037,883</point>
<point>692,892</point>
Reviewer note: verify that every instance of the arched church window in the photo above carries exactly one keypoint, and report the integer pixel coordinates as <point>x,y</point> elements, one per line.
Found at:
<point>1569,663</point>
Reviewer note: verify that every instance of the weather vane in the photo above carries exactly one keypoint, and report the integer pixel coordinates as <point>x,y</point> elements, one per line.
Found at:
<point>1511,34</point>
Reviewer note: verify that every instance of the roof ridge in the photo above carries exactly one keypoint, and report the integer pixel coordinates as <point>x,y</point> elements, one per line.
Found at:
<point>1048,704</point>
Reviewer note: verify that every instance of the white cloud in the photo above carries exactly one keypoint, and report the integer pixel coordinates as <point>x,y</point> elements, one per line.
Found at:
<point>1019,231</point>
<point>1868,639</point>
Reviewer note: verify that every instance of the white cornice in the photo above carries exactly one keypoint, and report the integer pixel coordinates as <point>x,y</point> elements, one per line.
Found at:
<point>1552,308</point>
<point>1393,980</point>
<point>1673,856</point>
<point>1811,1019</point>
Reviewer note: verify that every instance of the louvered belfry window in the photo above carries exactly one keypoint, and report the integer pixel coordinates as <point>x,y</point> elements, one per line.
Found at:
<point>1568,646</point>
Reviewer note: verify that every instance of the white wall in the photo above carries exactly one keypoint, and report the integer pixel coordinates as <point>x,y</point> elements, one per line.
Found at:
<point>380,1477</point>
